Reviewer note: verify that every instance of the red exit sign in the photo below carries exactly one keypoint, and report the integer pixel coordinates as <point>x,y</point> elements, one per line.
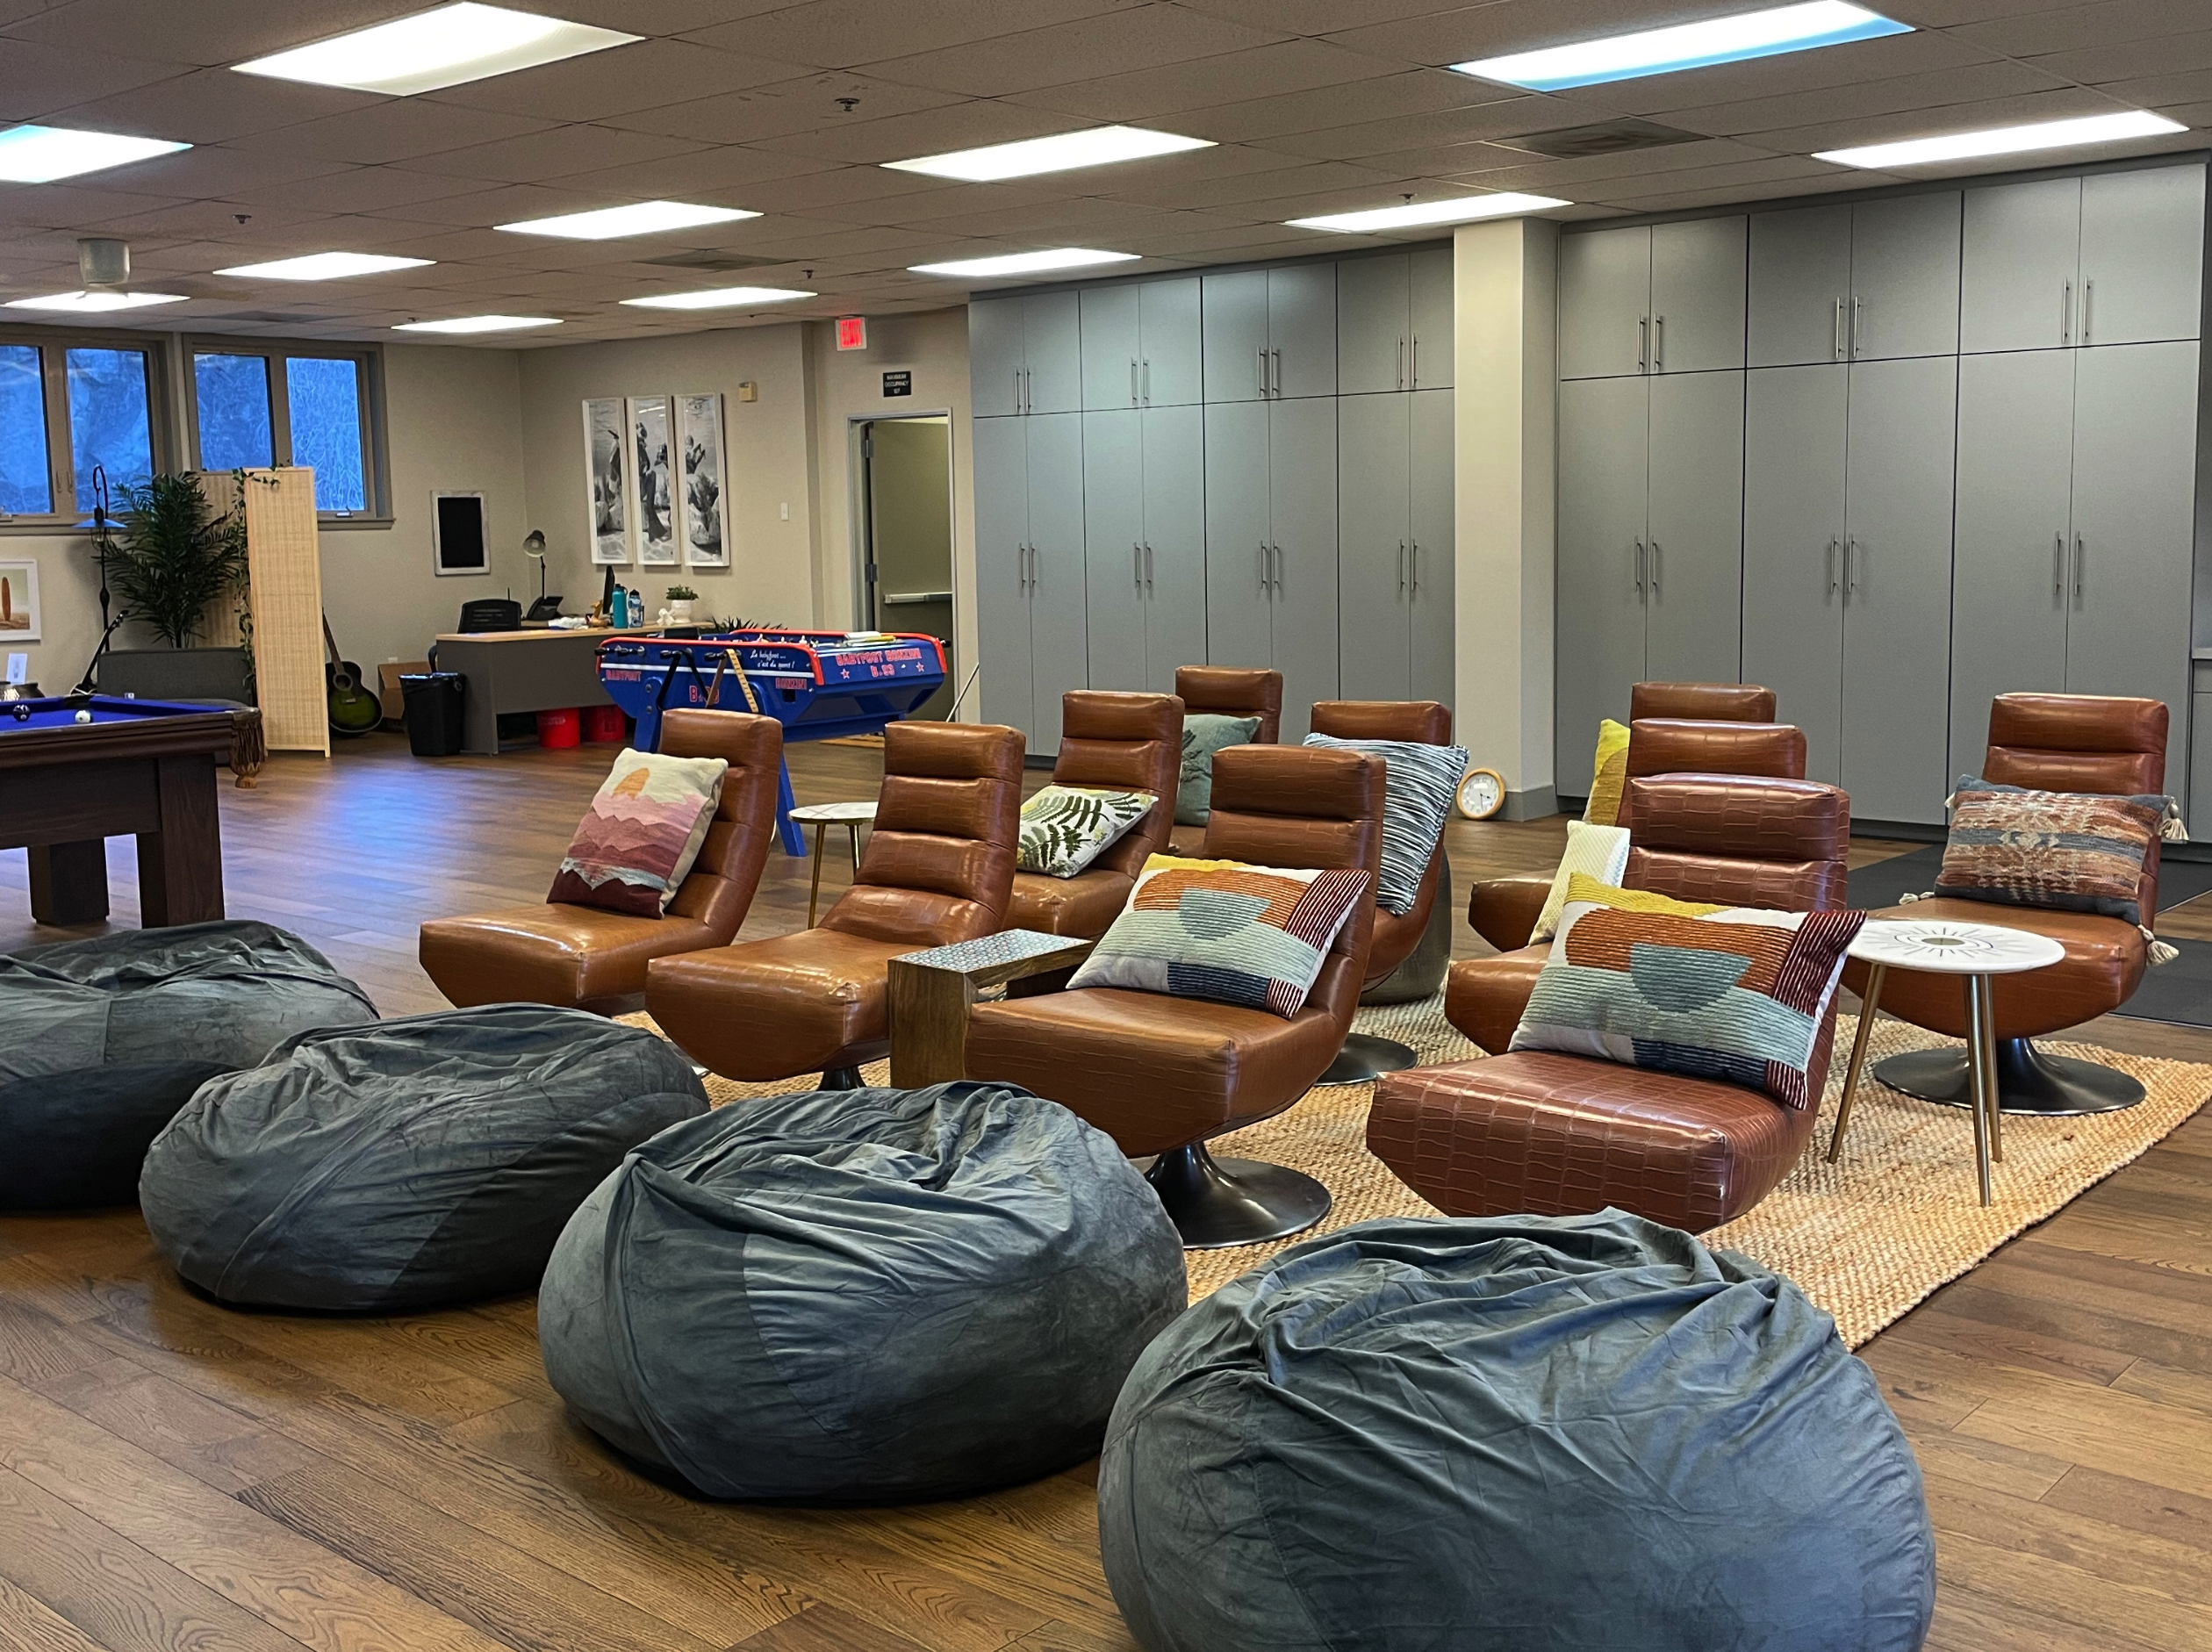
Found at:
<point>852,332</point>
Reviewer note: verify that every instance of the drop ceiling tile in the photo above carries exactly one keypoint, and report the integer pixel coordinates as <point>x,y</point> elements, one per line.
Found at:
<point>35,81</point>
<point>1314,17</point>
<point>2165,93</point>
<point>392,129</point>
<point>1271,184</point>
<point>1318,203</point>
<point>619,81</point>
<point>722,175</point>
<point>361,189</point>
<point>564,150</point>
<point>826,185</point>
<point>1748,194</point>
<point>203,32</point>
<point>839,34</point>
<point>212,219</point>
<point>2064,105</point>
<point>1507,118</point>
<point>1494,165</point>
<point>960,126</point>
<point>484,208</point>
<point>211,171</point>
<point>1511,25</point>
<point>2097,65</point>
<point>1909,94</point>
<point>61,205</point>
<point>784,108</point>
<point>211,106</point>
<point>1114,43</point>
<point>2066,28</point>
<point>1418,92</point>
<point>658,16</point>
<point>956,200</point>
<point>1887,59</point>
<point>1153,94</point>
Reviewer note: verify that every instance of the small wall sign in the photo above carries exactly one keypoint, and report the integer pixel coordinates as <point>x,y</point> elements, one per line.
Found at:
<point>899,383</point>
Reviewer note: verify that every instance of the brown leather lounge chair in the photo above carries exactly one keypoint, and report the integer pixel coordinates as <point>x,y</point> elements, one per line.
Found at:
<point>1503,910</point>
<point>1162,1074</point>
<point>1365,1056</point>
<point>2055,743</point>
<point>938,868</point>
<point>581,958</point>
<point>1226,691</point>
<point>1133,742</point>
<point>1558,1134</point>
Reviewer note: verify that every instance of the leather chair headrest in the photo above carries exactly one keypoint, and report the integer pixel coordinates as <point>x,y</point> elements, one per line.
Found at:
<point>738,737</point>
<point>1744,816</point>
<point>1707,702</point>
<point>1298,782</point>
<point>1423,722</point>
<point>1233,691</point>
<point>1666,745</point>
<point>2077,743</point>
<point>1094,714</point>
<point>953,751</point>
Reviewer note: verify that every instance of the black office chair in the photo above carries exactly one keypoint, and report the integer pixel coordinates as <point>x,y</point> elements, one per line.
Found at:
<point>492,613</point>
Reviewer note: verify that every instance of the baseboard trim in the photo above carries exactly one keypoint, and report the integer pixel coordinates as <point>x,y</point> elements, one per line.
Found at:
<point>1537,803</point>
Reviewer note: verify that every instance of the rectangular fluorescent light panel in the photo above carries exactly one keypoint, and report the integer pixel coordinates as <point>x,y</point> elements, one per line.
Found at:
<point>1465,210</point>
<point>479,324</point>
<point>641,217</point>
<point>96,301</point>
<point>432,50</point>
<point>716,298</point>
<point>1966,146</point>
<point>39,155</point>
<point>323,267</point>
<point>1748,34</point>
<point>1063,152</point>
<point>1024,263</point>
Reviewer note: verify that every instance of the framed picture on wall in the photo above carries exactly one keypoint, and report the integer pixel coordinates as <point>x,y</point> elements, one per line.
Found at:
<point>702,511</point>
<point>606,469</point>
<point>456,533</point>
<point>654,481</point>
<point>19,602</point>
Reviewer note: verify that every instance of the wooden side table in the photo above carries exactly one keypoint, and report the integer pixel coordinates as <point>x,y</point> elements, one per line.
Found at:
<point>930,994</point>
<point>821,817</point>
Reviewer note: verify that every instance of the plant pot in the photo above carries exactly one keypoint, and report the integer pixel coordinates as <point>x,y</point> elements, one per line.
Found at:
<point>679,611</point>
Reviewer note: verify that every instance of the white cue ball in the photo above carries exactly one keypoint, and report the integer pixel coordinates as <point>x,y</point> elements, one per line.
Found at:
<point>84,716</point>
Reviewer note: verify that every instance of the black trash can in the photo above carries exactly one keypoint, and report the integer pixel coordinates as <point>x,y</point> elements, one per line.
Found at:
<point>432,701</point>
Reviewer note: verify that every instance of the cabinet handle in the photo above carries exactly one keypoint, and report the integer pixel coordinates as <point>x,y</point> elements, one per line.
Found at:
<point>1835,546</point>
<point>1133,381</point>
<point>1401,567</point>
<point>1640,571</point>
<point>2065,313</point>
<point>1263,370</point>
<point>1017,389</point>
<point>1858,326</point>
<point>1417,567</point>
<point>1278,371</point>
<point>2088,303</point>
<point>1658,343</point>
<point>1401,365</point>
<point>1148,571</point>
<point>1851,582</point>
<point>1643,344</point>
<point>1838,329</point>
<point>2081,559</point>
<point>1417,361</point>
<point>1148,382</point>
<point>1278,569</point>
<point>2058,566</point>
<point>1034,560</point>
<point>1137,565</point>
<point>1654,567</point>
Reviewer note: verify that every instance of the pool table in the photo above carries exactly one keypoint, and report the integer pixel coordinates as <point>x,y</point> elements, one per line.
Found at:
<point>142,767</point>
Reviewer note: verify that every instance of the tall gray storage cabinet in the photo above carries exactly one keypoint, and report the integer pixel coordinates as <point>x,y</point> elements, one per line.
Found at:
<point>1029,570</point>
<point>1394,539</point>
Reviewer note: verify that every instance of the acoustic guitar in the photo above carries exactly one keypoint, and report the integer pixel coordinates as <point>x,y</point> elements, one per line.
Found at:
<point>352,709</point>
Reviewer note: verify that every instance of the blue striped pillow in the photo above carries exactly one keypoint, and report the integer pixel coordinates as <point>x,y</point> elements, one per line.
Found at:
<point>1417,795</point>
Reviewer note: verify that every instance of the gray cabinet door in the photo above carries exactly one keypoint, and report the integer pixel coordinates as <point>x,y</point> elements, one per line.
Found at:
<point>1373,323</point>
<point>1429,355</point>
<point>1239,599</point>
<point>2015,474</point>
<point>1113,547</point>
<point>2133,466</point>
<point>1302,329</point>
<point>1052,354</point>
<point>995,356</point>
<point>1235,307</point>
<point>1796,428</point>
<point>1696,294</point>
<point>1435,623</point>
<point>1603,442</point>
<point>1897,592</point>
<point>1375,545</point>
<point>1175,544</point>
<point>1059,633</point>
<point>1001,566</point>
<point>2142,256</point>
<point>2018,266</point>
<point>2199,767</point>
<point>1111,352</point>
<point>1301,441</point>
<point>1171,374</point>
<point>1799,286</point>
<point>1605,303</point>
<point>1905,277</point>
<point>1694,530</point>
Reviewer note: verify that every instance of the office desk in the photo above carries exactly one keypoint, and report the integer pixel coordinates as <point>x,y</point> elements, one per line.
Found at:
<point>529,671</point>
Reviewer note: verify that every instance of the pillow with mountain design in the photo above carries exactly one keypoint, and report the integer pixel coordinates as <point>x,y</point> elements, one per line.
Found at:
<point>635,847</point>
<point>1065,828</point>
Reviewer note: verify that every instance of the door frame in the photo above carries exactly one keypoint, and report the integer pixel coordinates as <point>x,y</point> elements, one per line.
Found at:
<point>860,515</point>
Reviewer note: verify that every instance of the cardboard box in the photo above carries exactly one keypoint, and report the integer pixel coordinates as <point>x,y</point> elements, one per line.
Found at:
<point>395,708</point>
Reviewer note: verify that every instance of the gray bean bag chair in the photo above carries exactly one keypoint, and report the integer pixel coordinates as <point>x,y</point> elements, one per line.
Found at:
<point>419,1161</point>
<point>1498,1435</point>
<point>104,1039</point>
<point>866,1295</point>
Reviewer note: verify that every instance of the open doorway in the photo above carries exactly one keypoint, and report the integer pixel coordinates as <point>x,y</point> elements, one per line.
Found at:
<point>906,530</point>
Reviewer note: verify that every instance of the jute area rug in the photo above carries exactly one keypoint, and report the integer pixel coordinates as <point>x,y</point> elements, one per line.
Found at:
<point>1866,1238</point>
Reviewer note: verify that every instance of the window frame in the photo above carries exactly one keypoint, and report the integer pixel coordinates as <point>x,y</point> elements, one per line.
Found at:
<point>54,345</point>
<point>375,481</point>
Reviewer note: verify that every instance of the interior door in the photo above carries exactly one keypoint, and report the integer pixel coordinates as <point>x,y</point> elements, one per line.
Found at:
<point>1696,294</point>
<point>1429,354</point>
<point>2142,256</point>
<point>995,356</point>
<point>1240,599</point>
<point>1905,277</point>
<point>1172,371</point>
<point>1796,423</point>
<point>1604,298</point>
<point>1435,623</point>
<point>1799,283</point>
<point>1604,443</point>
<point>1694,612</point>
<point>1052,354</point>
<point>1002,567</point>
<point>1301,489</point>
<point>1113,547</point>
<point>1302,329</point>
<point>1175,544</point>
<point>2018,266</point>
<point>1059,631</point>
<point>2013,527</point>
<point>1235,307</point>
<point>1375,546</point>
<point>1110,349</point>
<point>1373,317</point>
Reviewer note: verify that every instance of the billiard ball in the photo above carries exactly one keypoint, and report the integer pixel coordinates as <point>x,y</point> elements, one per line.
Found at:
<point>22,710</point>
<point>84,716</point>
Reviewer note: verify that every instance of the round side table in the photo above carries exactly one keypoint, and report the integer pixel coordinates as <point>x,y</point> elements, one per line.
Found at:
<point>1979,952</point>
<point>821,817</point>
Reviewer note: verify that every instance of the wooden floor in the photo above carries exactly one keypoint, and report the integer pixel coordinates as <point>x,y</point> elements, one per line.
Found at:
<point>174,1475</point>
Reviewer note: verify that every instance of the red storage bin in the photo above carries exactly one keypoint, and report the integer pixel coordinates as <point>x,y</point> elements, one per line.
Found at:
<point>562,727</point>
<point>605,725</point>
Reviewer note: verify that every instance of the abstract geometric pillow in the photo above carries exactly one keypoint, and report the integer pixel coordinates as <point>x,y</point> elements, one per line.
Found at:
<point>1597,854</point>
<point>1419,782</point>
<point>1739,996</point>
<point>2073,852</point>
<point>1236,934</point>
<point>1610,776</point>
<point>1065,828</point>
<point>637,842</point>
<point>1204,734</point>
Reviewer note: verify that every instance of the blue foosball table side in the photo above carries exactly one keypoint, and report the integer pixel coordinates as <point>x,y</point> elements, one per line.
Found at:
<point>819,685</point>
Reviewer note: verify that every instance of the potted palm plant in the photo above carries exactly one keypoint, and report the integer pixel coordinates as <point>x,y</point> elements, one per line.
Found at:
<point>171,560</point>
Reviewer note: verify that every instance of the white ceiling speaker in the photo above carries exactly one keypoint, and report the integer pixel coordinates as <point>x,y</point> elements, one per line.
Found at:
<point>103,262</point>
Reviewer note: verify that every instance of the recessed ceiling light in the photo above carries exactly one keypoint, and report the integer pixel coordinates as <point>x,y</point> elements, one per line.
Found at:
<point>92,302</point>
<point>1063,152</point>
<point>716,298</point>
<point>39,155</point>
<point>1024,263</point>
<point>643,218</point>
<point>1748,34</point>
<point>1464,210</point>
<point>479,324</point>
<point>449,46</point>
<point>323,267</point>
<point>2043,134</point>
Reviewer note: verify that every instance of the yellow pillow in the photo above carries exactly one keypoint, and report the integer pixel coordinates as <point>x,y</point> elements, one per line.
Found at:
<point>1611,773</point>
<point>1590,892</point>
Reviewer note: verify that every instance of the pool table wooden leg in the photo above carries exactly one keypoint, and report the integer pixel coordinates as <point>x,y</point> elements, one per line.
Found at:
<point>68,882</point>
<point>180,866</point>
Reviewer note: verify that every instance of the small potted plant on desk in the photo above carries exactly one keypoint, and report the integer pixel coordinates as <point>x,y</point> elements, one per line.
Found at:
<point>680,599</point>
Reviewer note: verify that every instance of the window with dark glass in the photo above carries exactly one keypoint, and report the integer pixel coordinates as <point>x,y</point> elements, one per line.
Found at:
<point>231,393</point>
<point>325,395</point>
<point>26,472</point>
<point>272,406</point>
<point>110,420</point>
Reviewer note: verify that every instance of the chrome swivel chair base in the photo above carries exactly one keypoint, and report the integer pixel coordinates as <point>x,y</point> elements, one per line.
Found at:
<point>1215,1203</point>
<point>1366,1058</point>
<point>2029,1083</point>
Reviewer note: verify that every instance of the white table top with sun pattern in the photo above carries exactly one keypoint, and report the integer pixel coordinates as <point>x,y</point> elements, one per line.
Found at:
<point>1945,946</point>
